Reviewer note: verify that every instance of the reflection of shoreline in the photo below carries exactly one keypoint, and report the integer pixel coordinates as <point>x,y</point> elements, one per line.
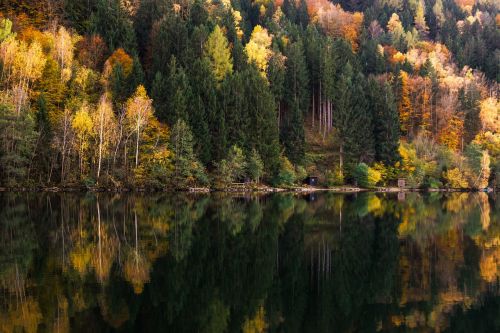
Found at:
<point>238,189</point>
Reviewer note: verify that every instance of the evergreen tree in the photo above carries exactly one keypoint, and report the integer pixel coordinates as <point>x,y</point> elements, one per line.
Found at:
<point>469,99</point>
<point>263,124</point>
<point>385,122</point>
<point>234,106</point>
<point>111,22</point>
<point>17,145</point>
<point>203,109</point>
<point>297,102</point>
<point>187,169</point>
<point>171,96</point>
<point>352,119</point>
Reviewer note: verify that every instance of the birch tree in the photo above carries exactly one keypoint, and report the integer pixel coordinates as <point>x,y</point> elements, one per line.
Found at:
<point>139,112</point>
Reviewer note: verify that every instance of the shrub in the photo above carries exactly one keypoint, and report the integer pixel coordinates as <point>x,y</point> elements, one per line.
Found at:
<point>286,175</point>
<point>334,177</point>
<point>233,168</point>
<point>478,166</point>
<point>455,179</point>
<point>255,166</point>
<point>300,173</point>
<point>389,173</point>
<point>366,176</point>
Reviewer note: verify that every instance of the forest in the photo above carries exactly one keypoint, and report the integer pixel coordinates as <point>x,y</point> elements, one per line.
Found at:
<point>207,93</point>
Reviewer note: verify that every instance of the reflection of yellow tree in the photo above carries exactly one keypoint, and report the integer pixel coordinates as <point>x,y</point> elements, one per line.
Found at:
<point>257,324</point>
<point>117,316</point>
<point>24,317</point>
<point>136,265</point>
<point>105,249</point>
<point>489,265</point>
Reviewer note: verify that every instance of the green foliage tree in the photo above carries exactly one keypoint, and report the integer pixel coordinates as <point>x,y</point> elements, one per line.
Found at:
<point>255,166</point>
<point>365,176</point>
<point>232,168</point>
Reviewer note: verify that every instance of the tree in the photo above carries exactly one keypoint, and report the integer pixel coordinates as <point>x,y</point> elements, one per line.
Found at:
<point>110,21</point>
<point>263,125</point>
<point>297,102</point>
<point>217,51</point>
<point>365,176</point>
<point>258,49</point>
<point>255,166</point>
<point>104,128</point>
<point>82,126</point>
<point>187,169</point>
<point>478,170</point>
<point>139,112</point>
<point>233,167</point>
<point>352,119</point>
<point>385,122</point>
<point>490,114</point>
<point>17,145</point>
<point>5,29</point>
<point>171,95</point>
<point>405,108</point>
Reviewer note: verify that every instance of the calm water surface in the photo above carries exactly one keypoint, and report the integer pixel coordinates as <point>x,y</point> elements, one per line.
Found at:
<point>278,263</point>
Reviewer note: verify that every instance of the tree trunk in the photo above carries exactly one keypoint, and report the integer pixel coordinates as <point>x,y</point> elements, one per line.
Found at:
<point>137,145</point>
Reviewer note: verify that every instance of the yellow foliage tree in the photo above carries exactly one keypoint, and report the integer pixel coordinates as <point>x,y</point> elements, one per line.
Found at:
<point>490,114</point>
<point>451,134</point>
<point>139,113</point>
<point>258,48</point>
<point>404,106</point>
<point>82,126</point>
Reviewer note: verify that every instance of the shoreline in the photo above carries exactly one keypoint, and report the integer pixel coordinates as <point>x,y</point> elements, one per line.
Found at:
<point>260,189</point>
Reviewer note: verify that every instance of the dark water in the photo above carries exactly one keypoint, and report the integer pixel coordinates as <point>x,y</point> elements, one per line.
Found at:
<point>278,263</point>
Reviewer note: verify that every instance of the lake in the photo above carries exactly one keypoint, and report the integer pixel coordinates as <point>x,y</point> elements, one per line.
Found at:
<point>323,262</point>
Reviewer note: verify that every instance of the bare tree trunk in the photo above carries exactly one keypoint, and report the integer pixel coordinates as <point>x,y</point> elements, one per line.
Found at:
<point>101,134</point>
<point>313,107</point>
<point>137,145</point>
<point>341,159</point>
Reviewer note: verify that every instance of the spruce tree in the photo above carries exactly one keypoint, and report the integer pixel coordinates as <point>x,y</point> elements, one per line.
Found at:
<point>111,22</point>
<point>352,118</point>
<point>263,123</point>
<point>385,122</point>
<point>297,103</point>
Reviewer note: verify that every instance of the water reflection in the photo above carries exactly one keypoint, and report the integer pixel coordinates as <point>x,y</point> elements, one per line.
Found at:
<point>279,263</point>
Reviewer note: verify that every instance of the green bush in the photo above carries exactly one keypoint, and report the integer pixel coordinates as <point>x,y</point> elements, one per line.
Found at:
<point>286,175</point>
<point>300,173</point>
<point>365,176</point>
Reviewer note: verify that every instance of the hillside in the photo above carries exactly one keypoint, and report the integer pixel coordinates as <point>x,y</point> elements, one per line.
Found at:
<point>176,94</point>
